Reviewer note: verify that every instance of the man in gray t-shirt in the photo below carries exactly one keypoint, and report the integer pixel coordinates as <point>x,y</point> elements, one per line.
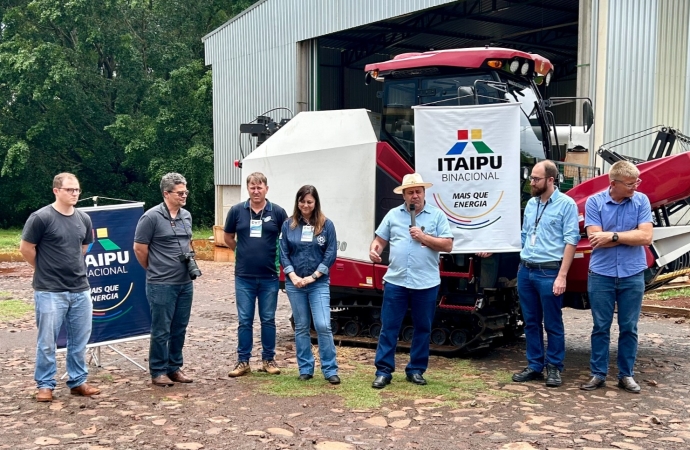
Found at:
<point>161,241</point>
<point>54,241</point>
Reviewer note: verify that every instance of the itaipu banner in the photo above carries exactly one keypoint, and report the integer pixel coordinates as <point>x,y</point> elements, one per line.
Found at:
<point>471,154</point>
<point>118,282</point>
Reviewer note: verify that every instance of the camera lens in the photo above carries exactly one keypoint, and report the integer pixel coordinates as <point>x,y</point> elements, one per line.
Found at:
<point>193,268</point>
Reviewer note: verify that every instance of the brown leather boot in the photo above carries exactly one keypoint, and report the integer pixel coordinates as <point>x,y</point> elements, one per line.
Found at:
<point>44,395</point>
<point>162,380</point>
<point>85,390</point>
<point>179,377</point>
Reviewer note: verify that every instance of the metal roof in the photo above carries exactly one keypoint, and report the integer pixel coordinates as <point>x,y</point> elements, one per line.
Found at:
<point>549,28</point>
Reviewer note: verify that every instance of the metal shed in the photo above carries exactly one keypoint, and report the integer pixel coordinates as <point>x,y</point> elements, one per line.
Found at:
<point>631,58</point>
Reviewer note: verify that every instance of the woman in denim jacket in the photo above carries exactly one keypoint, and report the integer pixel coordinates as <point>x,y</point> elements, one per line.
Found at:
<point>307,251</point>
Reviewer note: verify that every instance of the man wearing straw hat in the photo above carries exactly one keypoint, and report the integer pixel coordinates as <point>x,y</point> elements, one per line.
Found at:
<point>417,232</point>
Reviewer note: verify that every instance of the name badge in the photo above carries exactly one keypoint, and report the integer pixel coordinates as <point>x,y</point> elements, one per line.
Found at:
<point>307,233</point>
<point>255,228</point>
<point>533,239</point>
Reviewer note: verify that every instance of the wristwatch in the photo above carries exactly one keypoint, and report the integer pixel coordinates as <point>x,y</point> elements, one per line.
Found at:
<point>615,237</point>
<point>313,275</point>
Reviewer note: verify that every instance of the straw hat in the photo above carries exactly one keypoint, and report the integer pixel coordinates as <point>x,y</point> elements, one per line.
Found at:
<point>411,180</point>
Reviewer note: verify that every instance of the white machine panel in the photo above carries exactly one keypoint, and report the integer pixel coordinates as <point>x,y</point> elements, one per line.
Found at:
<point>335,151</point>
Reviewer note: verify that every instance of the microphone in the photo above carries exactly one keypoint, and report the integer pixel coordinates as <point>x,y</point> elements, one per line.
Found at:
<point>413,216</point>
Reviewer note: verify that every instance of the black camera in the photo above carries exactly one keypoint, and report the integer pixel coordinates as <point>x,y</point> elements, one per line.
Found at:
<point>192,267</point>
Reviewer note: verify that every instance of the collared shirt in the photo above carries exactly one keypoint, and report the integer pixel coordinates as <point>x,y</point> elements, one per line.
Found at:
<point>622,260</point>
<point>411,264</point>
<point>548,227</point>
<point>304,254</point>
<point>256,256</point>
<point>167,238</point>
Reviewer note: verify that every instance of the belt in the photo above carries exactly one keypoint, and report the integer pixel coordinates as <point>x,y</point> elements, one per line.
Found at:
<point>544,265</point>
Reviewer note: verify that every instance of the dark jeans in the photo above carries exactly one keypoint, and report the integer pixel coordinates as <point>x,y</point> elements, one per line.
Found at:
<point>541,310</point>
<point>249,291</point>
<point>604,294</point>
<point>396,301</point>
<point>171,305</point>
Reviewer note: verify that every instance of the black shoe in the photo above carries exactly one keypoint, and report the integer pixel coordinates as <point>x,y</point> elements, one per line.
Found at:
<point>594,383</point>
<point>527,375</point>
<point>334,379</point>
<point>629,384</point>
<point>380,382</point>
<point>553,376</point>
<point>416,378</point>
<point>305,377</point>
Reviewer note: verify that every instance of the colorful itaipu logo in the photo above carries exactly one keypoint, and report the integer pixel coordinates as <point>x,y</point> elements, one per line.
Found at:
<point>473,136</point>
<point>100,235</point>
<point>476,140</point>
<point>112,261</point>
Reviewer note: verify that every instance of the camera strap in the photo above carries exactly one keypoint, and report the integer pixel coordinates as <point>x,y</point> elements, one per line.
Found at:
<point>172,225</point>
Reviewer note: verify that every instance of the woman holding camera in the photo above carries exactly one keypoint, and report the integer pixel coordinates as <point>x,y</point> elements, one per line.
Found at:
<point>307,251</point>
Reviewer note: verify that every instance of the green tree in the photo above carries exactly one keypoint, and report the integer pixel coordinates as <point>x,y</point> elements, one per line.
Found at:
<point>114,91</point>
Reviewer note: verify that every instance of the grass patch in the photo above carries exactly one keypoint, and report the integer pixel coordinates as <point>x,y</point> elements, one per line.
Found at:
<point>665,294</point>
<point>450,385</point>
<point>9,239</point>
<point>202,233</point>
<point>106,377</point>
<point>674,293</point>
<point>11,309</point>
<point>503,376</point>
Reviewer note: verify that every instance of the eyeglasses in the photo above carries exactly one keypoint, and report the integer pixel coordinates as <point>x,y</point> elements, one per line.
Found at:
<point>71,190</point>
<point>630,185</point>
<point>180,193</point>
<point>536,179</point>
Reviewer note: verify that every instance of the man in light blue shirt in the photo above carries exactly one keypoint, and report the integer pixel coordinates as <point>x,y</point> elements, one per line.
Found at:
<point>417,232</point>
<point>619,225</point>
<point>550,233</point>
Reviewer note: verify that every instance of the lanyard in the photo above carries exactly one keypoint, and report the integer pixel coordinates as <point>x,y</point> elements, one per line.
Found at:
<point>537,218</point>
<point>251,217</point>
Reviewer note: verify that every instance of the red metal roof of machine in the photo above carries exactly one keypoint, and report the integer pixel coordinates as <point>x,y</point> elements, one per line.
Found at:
<point>464,57</point>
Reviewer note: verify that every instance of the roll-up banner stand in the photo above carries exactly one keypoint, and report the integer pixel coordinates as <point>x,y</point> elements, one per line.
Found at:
<point>118,283</point>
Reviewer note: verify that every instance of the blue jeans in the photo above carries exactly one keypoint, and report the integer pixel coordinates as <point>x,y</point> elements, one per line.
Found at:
<point>52,309</point>
<point>171,305</point>
<point>317,298</point>
<point>604,293</point>
<point>396,301</point>
<point>539,306</point>
<point>247,291</point>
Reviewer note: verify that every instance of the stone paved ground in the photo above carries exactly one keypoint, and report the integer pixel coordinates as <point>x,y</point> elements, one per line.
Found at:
<point>218,412</point>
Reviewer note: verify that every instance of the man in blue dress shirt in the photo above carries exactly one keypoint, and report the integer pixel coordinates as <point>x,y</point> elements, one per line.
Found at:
<point>619,225</point>
<point>412,279</point>
<point>550,233</point>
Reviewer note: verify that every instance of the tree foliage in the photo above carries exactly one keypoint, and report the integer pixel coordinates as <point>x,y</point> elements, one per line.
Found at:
<point>115,91</point>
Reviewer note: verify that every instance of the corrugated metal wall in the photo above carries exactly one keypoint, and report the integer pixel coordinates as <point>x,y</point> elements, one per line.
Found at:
<point>686,122</point>
<point>254,60</point>
<point>631,59</point>
<point>671,64</point>
<point>647,70</point>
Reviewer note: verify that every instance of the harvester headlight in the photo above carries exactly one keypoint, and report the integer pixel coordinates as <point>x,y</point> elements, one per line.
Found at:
<point>524,68</point>
<point>514,66</point>
<point>548,78</point>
